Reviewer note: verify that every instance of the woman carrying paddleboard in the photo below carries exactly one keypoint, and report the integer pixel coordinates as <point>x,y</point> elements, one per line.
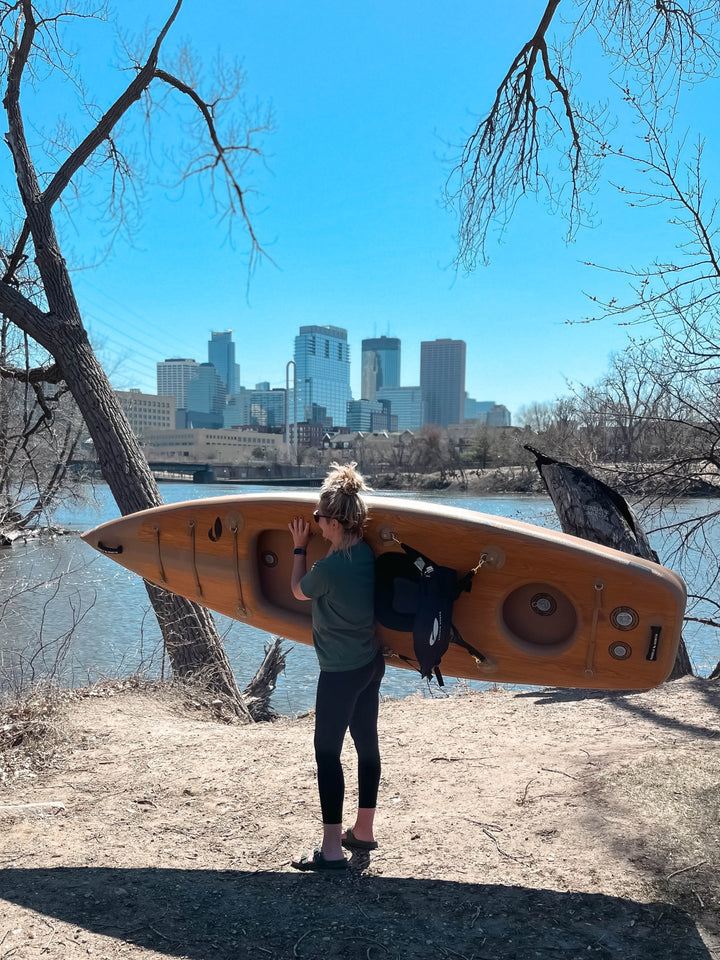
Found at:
<point>341,588</point>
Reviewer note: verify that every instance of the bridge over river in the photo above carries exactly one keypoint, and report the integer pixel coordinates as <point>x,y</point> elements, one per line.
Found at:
<point>230,473</point>
<point>175,471</point>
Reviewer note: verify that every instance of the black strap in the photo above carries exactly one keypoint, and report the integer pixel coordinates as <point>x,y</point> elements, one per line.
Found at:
<point>457,639</point>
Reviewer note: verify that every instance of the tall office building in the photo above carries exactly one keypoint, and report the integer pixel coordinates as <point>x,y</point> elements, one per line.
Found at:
<point>380,365</point>
<point>442,381</point>
<point>406,404</point>
<point>267,407</point>
<point>206,397</point>
<point>370,416</point>
<point>487,412</point>
<point>221,354</point>
<point>322,361</point>
<point>237,409</point>
<point>173,377</point>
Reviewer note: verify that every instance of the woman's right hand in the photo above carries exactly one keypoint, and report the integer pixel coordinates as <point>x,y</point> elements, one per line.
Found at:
<point>300,531</point>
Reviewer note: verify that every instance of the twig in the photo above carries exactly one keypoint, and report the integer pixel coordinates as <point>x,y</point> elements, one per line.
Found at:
<point>51,806</point>
<point>499,849</point>
<point>12,860</point>
<point>9,952</point>
<point>169,939</point>
<point>298,942</point>
<point>479,823</point>
<point>374,943</point>
<point>447,950</point>
<point>523,798</point>
<point>551,770</point>
<point>685,869</point>
<point>46,948</point>
<point>458,759</point>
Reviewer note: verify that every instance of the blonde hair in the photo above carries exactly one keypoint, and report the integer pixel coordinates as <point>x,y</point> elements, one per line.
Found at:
<point>340,498</point>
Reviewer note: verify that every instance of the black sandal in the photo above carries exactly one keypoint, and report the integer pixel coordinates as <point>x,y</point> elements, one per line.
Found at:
<point>351,842</point>
<point>318,862</point>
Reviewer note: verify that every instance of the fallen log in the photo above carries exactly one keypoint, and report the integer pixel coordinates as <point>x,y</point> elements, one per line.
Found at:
<point>589,508</point>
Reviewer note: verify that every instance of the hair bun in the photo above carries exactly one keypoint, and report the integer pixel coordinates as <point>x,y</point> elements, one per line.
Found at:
<point>345,478</point>
<point>339,496</point>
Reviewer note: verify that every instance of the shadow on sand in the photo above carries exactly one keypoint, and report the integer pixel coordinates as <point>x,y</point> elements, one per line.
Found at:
<point>218,915</point>
<point>632,704</point>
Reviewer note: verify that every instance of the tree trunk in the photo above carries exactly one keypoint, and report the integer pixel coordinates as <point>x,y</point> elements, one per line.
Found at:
<point>189,633</point>
<point>191,639</point>
<point>588,508</point>
<point>262,686</point>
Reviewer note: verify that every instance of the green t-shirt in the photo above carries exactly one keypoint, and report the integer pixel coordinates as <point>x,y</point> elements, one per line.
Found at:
<point>342,590</point>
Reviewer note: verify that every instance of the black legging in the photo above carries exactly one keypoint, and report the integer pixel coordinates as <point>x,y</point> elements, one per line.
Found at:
<point>349,698</point>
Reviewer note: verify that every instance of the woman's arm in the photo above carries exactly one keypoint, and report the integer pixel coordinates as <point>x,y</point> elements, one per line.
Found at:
<point>300,530</point>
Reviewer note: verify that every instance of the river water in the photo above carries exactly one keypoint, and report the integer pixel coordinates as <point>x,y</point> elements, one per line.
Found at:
<point>69,614</point>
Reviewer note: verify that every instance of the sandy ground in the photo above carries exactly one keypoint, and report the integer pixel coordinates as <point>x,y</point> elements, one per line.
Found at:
<point>511,825</point>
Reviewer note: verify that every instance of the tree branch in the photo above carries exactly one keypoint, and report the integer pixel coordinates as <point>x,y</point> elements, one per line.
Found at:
<point>221,150</point>
<point>500,160</point>
<point>37,375</point>
<point>25,314</point>
<point>101,132</point>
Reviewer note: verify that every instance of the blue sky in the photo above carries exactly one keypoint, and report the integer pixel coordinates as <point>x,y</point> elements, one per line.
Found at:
<point>370,101</point>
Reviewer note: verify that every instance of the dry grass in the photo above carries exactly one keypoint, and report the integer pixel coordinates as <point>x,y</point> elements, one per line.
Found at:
<point>33,724</point>
<point>31,729</point>
<point>681,788</point>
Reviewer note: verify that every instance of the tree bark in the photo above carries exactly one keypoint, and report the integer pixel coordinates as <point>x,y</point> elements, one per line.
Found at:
<point>588,508</point>
<point>262,686</point>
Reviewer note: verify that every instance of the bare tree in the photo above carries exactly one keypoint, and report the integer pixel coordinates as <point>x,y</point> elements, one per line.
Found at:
<point>539,137</point>
<point>658,410</point>
<point>36,291</point>
<point>40,429</point>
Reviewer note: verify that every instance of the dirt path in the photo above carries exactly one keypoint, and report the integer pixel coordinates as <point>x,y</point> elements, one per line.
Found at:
<point>510,826</point>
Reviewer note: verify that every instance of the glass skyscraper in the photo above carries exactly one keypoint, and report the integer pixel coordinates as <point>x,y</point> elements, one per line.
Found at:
<point>221,354</point>
<point>442,381</point>
<point>406,404</point>
<point>380,365</point>
<point>322,360</point>
<point>206,396</point>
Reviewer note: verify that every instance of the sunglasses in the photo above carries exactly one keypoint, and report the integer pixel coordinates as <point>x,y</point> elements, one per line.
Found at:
<point>317,516</point>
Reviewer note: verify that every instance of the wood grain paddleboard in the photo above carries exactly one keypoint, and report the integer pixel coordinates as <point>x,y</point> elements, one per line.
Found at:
<point>545,608</point>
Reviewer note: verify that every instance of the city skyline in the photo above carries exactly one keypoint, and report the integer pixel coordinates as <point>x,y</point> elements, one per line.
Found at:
<point>349,205</point>
<point>394,343</point>
<point>322,364</point>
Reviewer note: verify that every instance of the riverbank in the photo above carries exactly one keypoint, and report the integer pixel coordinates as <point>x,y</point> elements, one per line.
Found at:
<point>525,479</point>
<point>511,825</point>
<point>498,480</point>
